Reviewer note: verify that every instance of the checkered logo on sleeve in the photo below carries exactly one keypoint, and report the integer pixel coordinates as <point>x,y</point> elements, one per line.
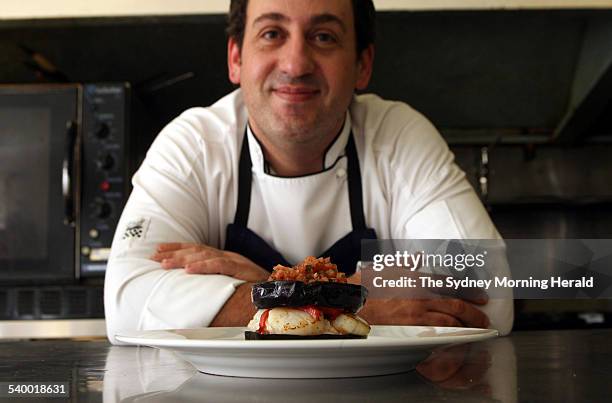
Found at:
<point>134,229</point>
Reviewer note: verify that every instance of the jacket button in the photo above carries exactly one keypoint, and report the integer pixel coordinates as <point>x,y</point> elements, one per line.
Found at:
<point>341,173</point>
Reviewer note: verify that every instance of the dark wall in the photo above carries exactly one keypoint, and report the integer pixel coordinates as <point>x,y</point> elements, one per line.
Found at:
<point>145,52</point>
<point>493,69</point>
<point>462,69</point>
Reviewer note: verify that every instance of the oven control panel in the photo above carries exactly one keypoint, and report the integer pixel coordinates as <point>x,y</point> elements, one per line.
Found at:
<point>104,171</point>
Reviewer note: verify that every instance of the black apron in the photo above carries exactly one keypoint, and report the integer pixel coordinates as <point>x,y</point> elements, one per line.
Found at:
<point>345,253</point>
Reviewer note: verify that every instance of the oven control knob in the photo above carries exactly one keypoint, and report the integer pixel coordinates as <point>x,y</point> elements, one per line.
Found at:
<point>106,162</point>
<point>102,209</point>
<point>102,130</point>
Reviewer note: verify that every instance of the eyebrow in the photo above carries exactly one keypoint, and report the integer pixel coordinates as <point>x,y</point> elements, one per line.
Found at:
<point>325,18</point>
<point>270,16</point>
<point>315,20</point>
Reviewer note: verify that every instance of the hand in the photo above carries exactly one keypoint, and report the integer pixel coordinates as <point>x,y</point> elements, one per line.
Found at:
<point>424,312</point>
<point>354,279</point>
<point>425,306</point>
<point>203,259</point>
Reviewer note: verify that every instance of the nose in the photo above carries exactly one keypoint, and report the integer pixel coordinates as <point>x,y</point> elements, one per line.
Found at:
<point>296,60</point>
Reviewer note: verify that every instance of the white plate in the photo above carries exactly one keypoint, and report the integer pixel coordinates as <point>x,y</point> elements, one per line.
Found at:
<point>223,351</point>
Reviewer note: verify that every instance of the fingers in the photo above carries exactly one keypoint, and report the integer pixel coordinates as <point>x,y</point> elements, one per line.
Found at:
<point>172,246</point>
<point>203,259</point>
<point>177,255</point>
<point>181,259</point>
<point>462,310</point>
<point>474,295</point>
<point>406,312</point>
<point>167,251</point>
<point>229,267</point>
<point>440,319</point>
<point>181,250</point>
<point>216,265</point>
<point>354,279</point>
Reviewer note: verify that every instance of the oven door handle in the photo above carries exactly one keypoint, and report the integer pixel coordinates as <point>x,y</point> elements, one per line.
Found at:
<point>68,173</point>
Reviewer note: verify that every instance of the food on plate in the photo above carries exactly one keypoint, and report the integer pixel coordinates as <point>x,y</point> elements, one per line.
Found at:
<point>309,271</point>
<point>309,300</point>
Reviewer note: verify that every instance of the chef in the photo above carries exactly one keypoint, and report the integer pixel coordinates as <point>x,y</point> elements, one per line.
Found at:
<point>291,164</point>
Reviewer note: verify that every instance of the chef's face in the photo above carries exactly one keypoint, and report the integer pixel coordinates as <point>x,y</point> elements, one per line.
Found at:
<point>298,68</point>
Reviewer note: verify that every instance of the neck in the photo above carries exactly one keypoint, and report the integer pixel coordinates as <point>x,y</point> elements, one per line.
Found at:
<point>295,159</point>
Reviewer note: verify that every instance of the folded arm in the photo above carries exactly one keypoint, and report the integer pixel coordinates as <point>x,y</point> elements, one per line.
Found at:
<point>432,199</point>
<point>168,204</point>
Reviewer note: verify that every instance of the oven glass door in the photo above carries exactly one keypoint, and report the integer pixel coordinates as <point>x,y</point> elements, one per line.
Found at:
<point>36,245</point>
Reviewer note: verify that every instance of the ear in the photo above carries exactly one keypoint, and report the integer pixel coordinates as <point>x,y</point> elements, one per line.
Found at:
<point>364,68</point>
<point>233,61</point>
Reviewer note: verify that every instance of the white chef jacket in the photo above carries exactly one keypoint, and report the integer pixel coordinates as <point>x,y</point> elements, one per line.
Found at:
<point>187,187</point>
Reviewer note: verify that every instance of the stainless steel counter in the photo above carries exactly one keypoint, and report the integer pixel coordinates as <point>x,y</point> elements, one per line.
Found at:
<point>526,366</point>
<point>52,329</point>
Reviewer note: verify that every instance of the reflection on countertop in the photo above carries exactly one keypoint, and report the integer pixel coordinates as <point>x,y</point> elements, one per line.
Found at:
<point>460,372</point>
<point>526,366</point>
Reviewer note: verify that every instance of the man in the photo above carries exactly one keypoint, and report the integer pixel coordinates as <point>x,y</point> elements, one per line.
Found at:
<point>291,164</point>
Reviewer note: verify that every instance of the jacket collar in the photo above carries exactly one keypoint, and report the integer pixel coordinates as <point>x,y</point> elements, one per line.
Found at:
<point>332,153</point>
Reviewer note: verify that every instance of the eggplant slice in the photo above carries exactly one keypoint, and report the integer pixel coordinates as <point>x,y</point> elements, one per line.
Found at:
<point>272,294</point>
<point>248,335</point>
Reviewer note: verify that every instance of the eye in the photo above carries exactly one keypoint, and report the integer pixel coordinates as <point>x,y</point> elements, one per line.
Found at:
<point>324,37</point>
<point>271,34</point>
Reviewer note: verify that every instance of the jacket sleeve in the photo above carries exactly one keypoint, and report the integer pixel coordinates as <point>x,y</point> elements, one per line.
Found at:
<point>166,205</point>
<point>432,199</point>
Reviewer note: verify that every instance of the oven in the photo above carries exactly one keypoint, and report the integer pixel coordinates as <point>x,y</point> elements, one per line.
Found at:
<point>64,178</point>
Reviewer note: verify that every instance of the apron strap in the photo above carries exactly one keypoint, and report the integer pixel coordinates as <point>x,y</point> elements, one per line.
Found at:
<point>245,177</point>
<point>354,186</point>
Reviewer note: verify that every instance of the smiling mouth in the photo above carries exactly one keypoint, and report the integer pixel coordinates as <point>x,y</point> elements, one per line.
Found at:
<point>295,94</point>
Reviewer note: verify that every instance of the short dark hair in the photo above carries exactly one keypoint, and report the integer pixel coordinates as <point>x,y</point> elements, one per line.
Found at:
<point>363,13</point>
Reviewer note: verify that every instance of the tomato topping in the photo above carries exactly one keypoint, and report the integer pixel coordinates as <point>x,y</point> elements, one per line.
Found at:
<point>310,270</point>
<point>317,311</point>
<point>263,319</point>
<point>312,310</point>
